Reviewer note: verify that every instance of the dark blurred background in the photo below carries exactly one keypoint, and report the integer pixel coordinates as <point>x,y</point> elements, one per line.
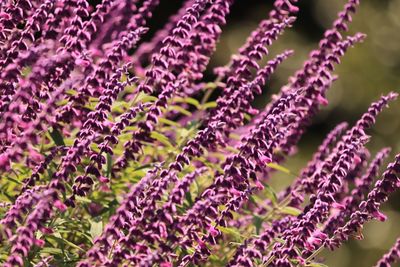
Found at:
<point>367,71</point>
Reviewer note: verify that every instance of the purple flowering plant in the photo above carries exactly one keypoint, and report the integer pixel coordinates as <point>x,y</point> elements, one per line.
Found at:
<point>114,153</point>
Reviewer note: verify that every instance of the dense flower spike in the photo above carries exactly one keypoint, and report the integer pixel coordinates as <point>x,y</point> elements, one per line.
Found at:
<point>329,183</point>
<point>240,172</point>
<point>95,83</point>
<point>87,133</point>
<point>15,213</point>
<point>254,48</point>
<point>369,208</point>
<point>306,179</point>
<point>208,135</point>
<point>32,26</point>
<point>247,253</point>
<point>25,238</point>
<point>266,237</point>
<point>357,194</point>
<point>144,52</point>
<point>119,152</point>
<point>170,83</point>
<point>12,14</point>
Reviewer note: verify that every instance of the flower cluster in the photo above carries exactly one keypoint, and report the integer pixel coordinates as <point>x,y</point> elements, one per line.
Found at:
<point>116,151</point>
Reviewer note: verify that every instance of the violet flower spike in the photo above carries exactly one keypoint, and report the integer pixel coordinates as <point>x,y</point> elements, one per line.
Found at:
<point>391,257</point>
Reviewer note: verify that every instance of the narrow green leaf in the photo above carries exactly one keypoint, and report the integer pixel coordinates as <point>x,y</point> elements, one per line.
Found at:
<point>161,138</point>
<point>71,92</point>
<point>83,200</point>
<point>13,180</point>
<point>146,166</point>
<point>188,197</point>
<point>109,165</point>
<point>147,98</point>
<point>290,211</point>
<point>57,137</point>
<point>169,122</point>
<point>316,264</point>
<point>51,251</point>
<point>180,109</point>
<point>25,71</point>
<point>212,104</point>
<point>232,149</point>
<point>257,221</point>
<point>187,100</point>
<point>270,194</point>
<point>60,241</point>
<point>280,240</point>
<point>230,231</point>
<point>278,168</point>
<point>217,260</point>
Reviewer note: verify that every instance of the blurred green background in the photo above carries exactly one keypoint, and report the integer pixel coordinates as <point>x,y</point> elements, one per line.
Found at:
<point>366,72</point>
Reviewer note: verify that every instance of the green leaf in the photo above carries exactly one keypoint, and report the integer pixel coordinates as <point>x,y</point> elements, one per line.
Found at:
<point>57,137</point>
<point>13,180</point>
<point>51,251</point>
<point>231,232</point>
<point>211,85</point>
<point>290,211</point>
<point>62,241</point>
<point>169,122</point>
<point>316,264</point>
<point>188,197</point>
<point>190,250</point>
<point>187,100</point>
<point>257,221</point>
<point>25,71</point>
<point>96,228</point>
<point>278,168</point>
<point>161,138</point>
<point>146,166</point>
<point>119,107</point>
<point>217,260</point>
<point>247,117</point>
<point>71,92</point>
<point>109,165</point>
<point>232,149</point>
<point>212,104</point>
<point>147,98</point>
<point>83,200</point>
<point>270,194</point>
<point>180,109</point>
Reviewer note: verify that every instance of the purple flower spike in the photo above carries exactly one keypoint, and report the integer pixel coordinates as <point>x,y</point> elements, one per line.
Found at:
<point>145,50</point>
<point>306,178</point>
<point>351,202</point>
<point>391,257</point>
<point>369,208</point>
<point>119,152</point>
<point>330,183</point>
<point>24,238</point>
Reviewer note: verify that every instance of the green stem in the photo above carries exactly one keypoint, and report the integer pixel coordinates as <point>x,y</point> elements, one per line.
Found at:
<point>315,253</point>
